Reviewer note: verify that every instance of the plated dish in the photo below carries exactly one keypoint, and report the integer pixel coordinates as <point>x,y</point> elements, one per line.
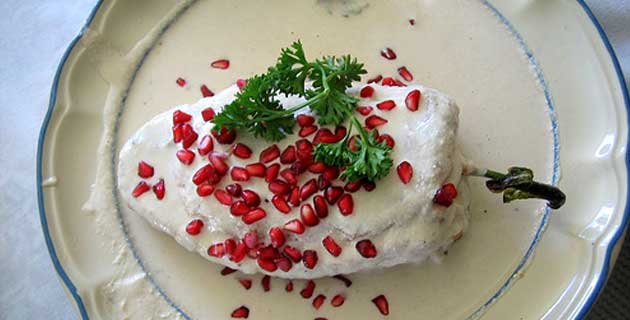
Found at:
<point>164,274</point>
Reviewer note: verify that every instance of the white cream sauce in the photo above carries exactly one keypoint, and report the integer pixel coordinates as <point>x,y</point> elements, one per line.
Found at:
<point>456,46</point>
<point>401,220</point>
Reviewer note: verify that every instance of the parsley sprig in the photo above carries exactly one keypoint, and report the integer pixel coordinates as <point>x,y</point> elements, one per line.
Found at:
<point>258,111</point>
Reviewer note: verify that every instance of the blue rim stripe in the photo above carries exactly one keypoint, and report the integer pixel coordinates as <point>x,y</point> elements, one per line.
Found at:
<point>617,236</point>
<point>53,96</point>
<point>40,146</point>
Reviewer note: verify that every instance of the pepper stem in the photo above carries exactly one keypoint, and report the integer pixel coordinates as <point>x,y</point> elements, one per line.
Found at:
<point>519,184</point>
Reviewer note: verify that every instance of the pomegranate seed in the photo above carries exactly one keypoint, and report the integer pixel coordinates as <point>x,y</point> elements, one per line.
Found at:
<point>251,198</point>
<point>405,172</point>
<point>331,173</point>
<point>366,92</point>
<point>294,226</point>
<point>322,182</point>
<point>299,166</point>
<point>242,151</point>
<point>388,54</point>
<point>178,133</point>
<point>289,286</point>
<point>321,318</point>
<point>308,189</point>
<point>293,253</point>
<point>366,248</point>
<point>268,253</point>
<point>189,136</point>
<point>294,197</point>
<point>374,121</point>
<point>382,304</point>
<point>246,283</point>
<point>269,154</point>
<point>205,145</point>
<point>204,190</point>
<point>277,237</point>
<point>347,282</point>
<point>217,250</point>
<point>208,113</point>
<point>278,187</point>
<point>181,82</point>
<point>369,185</point>
<point>223,197</point>
<point>250,239</point>
<point>265,282</point>
<point>338,300</point>
<point>239,174</point>
<point>353,186</point>
<point>289,176</point>
<point>206,92</point>
<point>239,208</point>
<point>332,194</point>
<point>234,189</point>
<point>387,139</point>
<point>267,265</point>
<point>230,246</point>
<point>280,204</point>
<point>376,79</point>
<point>399,83</point>
<point>309,258</point>
<point>272,172</point>
<point>405,74</point>
<point>224,136</point>
<point>254,216</point>
<point>159,189</point>
<point>227,270</point>
<point>331,245</point>
<point>220,64</point>
<point>412,101</point>
<point>288,155</point>
<point>283,264</point>
<point>412,22</point>
<point>308,289</point>
<point>145,170</point>
<point>317,167</point>
<point>321,208</point>
<point>318,301</point>
<point>239,252</point>
<point>386,105</point>
<point>340,133</point>
<point>364,110</point>
<point>256,169</point>
<point>241,83</point>
<point>141,188</point>
<point>194,227</point>
<point>241,312</point>
<point>391,82</point>
<point>309,218</point>
<point>304,145</point>
<point>218,162</point>
<point>307,131</point>
<point>185,156</point>
<point>324,136</point>
<point>445,195</point>
<point>180,117</point>
<point>346,204</point>
<point>304,120</point>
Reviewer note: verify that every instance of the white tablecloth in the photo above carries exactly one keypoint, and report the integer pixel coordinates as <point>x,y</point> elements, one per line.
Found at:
<point>33,36</point>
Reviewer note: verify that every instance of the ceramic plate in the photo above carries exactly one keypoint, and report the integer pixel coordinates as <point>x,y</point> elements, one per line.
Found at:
<point>537,83</point>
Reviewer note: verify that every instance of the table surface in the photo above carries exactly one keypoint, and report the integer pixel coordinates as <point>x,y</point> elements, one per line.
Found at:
<point>29,55</point>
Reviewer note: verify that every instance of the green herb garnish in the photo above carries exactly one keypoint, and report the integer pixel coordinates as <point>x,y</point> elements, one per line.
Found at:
<point>257,110</point>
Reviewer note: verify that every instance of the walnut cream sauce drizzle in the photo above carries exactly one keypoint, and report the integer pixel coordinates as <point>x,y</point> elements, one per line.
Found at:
<point>399,217</point>
<point>130,294</point>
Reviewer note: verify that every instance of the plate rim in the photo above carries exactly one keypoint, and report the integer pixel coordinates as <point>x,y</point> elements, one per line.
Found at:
<point>616,238</point>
